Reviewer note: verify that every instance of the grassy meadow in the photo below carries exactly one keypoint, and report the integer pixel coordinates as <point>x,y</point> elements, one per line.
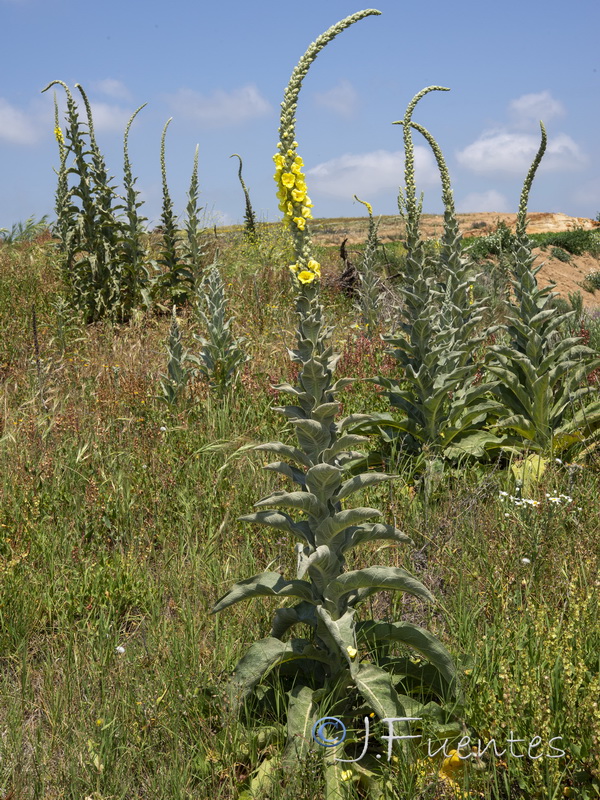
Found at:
<point>119,531</point>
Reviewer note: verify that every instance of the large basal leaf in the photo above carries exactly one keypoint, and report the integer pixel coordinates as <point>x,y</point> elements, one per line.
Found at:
<point>375,687</point>
<point>267,584</point>
<point>374,579</point>
<point>262,657</point>
<point>421,640</point>
<point>301,716</point>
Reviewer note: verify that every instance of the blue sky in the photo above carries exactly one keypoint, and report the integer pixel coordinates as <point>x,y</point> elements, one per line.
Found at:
<point>220,68</point>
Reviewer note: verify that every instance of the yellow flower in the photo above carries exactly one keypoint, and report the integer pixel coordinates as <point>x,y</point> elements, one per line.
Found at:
<point>452,763</point>
<point>279,160</point>
<point>314,266</point>
<point>298,160</point>
<point>288,179</point>
<point>346,774</point>
<point>307,202</point>
<point>300,223</point>
<point>289,209</point>
<point>59,135</point>
<point>298,194</point>
<point>297,169</point>
<point>352,651</point>
<point>306,212</point>
<point>294,268</point>
<point>306,277</point>
<point>300,184</point>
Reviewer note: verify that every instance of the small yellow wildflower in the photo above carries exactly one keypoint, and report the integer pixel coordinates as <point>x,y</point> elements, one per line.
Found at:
<point>59,135</point>
<point>346,774</point>
<point>298,194</point>
<point>306,277</point>
<point>300,184</point>
<point>288,179</point>
<point>296,169</point>
<point>300,223</point>
<point>306,212</point>
<point>314,266</point>
<point>307,202</point>
<point>294,268</point>
<point>289,209</point>
<point>279,160</point>
<point>352,652</point>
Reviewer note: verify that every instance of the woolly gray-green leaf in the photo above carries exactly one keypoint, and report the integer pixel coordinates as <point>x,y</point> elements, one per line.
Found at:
<point>421,640</point>
<point>267,584</point>
<point>376,578</point>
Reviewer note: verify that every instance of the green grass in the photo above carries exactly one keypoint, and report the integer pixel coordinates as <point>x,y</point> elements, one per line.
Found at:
<point>118,530</point>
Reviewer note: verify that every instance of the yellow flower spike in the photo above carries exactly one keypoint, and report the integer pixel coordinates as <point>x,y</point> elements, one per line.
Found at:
<point>306,277</point>
<point>300,223</point>
<point>288,179</point>
<point>59,135</point>
<point>352,651</point>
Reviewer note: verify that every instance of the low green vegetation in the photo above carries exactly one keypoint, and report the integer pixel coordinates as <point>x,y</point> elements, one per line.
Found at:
<point>423,566</point>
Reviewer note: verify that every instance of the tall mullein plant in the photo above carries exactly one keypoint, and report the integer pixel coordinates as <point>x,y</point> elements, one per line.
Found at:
<point>324,596</point>
<point>194,250</point>
<point>133,251</point>
<point>370,285</point>
<point>79,216</point>
<point>540,374</point>
<point>63,207</point>
<point>250,226</point>
<point>177,279</point>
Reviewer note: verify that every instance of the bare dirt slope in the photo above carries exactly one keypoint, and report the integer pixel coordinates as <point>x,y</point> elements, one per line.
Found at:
<point>566,275</point>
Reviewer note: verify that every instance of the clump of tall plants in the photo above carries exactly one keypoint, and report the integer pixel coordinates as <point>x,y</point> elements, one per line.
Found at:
<point>540,370</point>
<point>442,410</point>
<point>103,259</point>
<point>340,665</point>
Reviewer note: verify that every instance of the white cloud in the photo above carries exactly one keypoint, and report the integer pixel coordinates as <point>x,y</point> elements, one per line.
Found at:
<point>341,99</point>
<point>221,108</point>
<point>107,117</point>
<point>369,174</point>
<point>483,201</point>
<point>529,109</point>
<point>512,153</point>
<point>16,126</point>
<point>113,88</point>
